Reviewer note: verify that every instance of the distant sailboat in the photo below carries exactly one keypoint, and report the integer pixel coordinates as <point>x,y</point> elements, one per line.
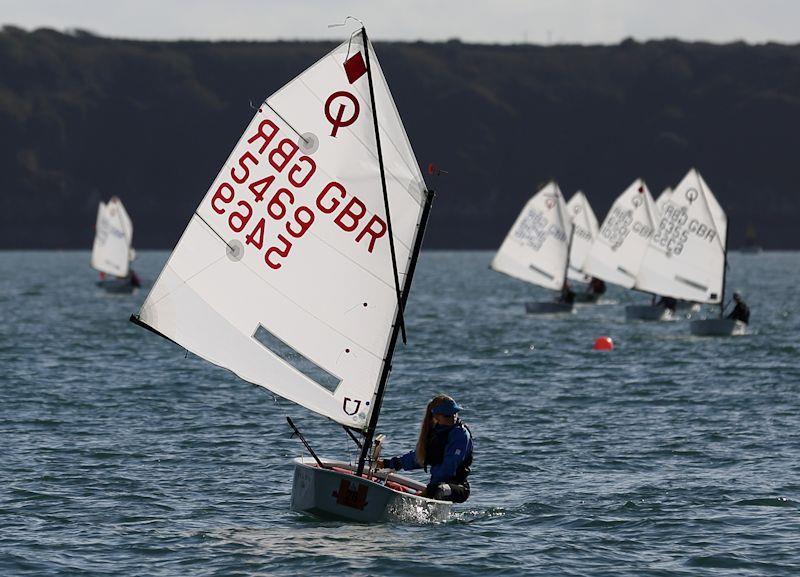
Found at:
<point>295,268</point>
<point>112,251</point>
<point>619,248</point>
<point>585,231</point>
<point>686,258</point>
<point>536,249</point>
<point>662,199</point>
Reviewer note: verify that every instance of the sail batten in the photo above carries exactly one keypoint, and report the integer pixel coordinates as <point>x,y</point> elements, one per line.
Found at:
<point>306,247</point>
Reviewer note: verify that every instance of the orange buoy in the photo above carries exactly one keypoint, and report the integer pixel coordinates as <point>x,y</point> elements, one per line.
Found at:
<point>603,344</point>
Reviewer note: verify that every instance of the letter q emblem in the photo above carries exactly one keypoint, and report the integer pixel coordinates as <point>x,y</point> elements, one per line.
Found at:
<point>342,97</point>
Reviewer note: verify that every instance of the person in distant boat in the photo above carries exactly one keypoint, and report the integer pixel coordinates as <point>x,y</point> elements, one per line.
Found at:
<point>741,312</point>
<point>444,445</point>
<point>668,303</point>
<point>136,282</point>
<point>567,294</point>
<point>597,286</point>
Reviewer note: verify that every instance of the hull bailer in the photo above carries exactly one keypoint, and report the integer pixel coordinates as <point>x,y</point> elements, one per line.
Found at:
<point>717,328</point>
<point>547,308</point>
<point>336,492</point>
<point>647,313</point>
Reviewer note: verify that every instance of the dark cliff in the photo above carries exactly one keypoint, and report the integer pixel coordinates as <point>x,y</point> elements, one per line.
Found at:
<point>84,117</point>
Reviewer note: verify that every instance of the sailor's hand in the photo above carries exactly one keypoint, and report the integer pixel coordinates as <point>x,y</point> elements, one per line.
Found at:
<point>380,463</point>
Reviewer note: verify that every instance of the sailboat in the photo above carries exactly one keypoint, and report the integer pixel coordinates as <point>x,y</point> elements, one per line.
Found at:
<point>295,269</point>
<point>112,250</point>
<point>537,248</point>
<point>585,230</point>
<point>619,248</point>
<point>687,256</point>
<point>684,307</point>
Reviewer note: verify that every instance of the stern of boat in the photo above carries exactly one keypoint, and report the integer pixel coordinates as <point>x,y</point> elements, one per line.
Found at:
<point>334,491</point>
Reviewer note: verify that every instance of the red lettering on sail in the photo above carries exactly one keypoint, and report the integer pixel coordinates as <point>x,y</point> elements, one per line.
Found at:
<point>266,132</point>
<point>375,228</point>
<point>311,168</point>
<point>283,155</point>
<point>349,218</point>
<point>328,205</point>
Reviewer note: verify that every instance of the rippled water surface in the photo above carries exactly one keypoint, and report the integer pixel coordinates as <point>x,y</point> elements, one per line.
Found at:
<point>671,455</point>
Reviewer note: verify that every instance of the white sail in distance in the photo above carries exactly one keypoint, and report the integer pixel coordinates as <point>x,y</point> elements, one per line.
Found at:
<point>536,248</point>
<point>112,249</point>
<point>617,252</point>
<point>284,273</point>
<point>686,255</point>
<point>585,230</point>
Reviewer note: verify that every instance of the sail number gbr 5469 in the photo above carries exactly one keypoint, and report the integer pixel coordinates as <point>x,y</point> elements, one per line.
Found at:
<point>250,185</point>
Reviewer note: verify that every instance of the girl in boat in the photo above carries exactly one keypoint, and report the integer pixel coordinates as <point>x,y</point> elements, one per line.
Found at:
<point>444,445</point>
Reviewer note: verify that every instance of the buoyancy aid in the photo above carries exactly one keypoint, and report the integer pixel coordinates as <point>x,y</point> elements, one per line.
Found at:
<point>437,444</point>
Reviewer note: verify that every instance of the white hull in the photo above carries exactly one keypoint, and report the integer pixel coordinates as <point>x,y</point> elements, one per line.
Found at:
<point>547,308</point>
<point>647,313</point>
<point>337,493</point>
<point>116,285</point>
<point>717,327</point>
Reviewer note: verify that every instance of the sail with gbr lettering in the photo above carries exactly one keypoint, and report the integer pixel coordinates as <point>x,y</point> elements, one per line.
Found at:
<point>662,199</point>
<point>619,247</point>
<point>585,231</point>
<point>685,258</point>
<point>112,249</point>
<point>536,248</point>
<point>284,274</point>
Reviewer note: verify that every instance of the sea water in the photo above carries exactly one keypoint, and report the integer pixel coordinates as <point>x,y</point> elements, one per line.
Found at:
<point>670,455</point>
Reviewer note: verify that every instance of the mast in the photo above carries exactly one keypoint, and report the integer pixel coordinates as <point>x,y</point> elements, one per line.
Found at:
<point>387,361</point>
<point>383,183</point>
<point>399,325</point>
<point>724,272</point>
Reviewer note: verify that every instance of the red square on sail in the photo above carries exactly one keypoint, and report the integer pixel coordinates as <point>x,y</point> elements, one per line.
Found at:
<point>355,67</point>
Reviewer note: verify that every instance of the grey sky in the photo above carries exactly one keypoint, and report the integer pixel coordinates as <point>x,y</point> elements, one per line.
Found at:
<point>504,21</point>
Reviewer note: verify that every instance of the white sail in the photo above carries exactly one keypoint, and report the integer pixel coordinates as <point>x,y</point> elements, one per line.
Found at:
<point>585,223</point>
<point>686,256</point>
<point>284,273</point>
<point>662,199</point>
<point>111,251</point>
<point>617,252</point>
<point>535,249</point>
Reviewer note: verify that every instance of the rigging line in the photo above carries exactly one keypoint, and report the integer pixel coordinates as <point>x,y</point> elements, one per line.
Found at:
<point>278,114</point>
<point>400,311</point>
<point>214,231</point>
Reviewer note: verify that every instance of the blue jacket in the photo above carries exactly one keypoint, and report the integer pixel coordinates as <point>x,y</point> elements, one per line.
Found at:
<point>457,449</point>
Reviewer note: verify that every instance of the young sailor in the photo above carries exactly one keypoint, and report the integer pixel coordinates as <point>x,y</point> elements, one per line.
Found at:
<point>444,445</point>
<point>741,312</point>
